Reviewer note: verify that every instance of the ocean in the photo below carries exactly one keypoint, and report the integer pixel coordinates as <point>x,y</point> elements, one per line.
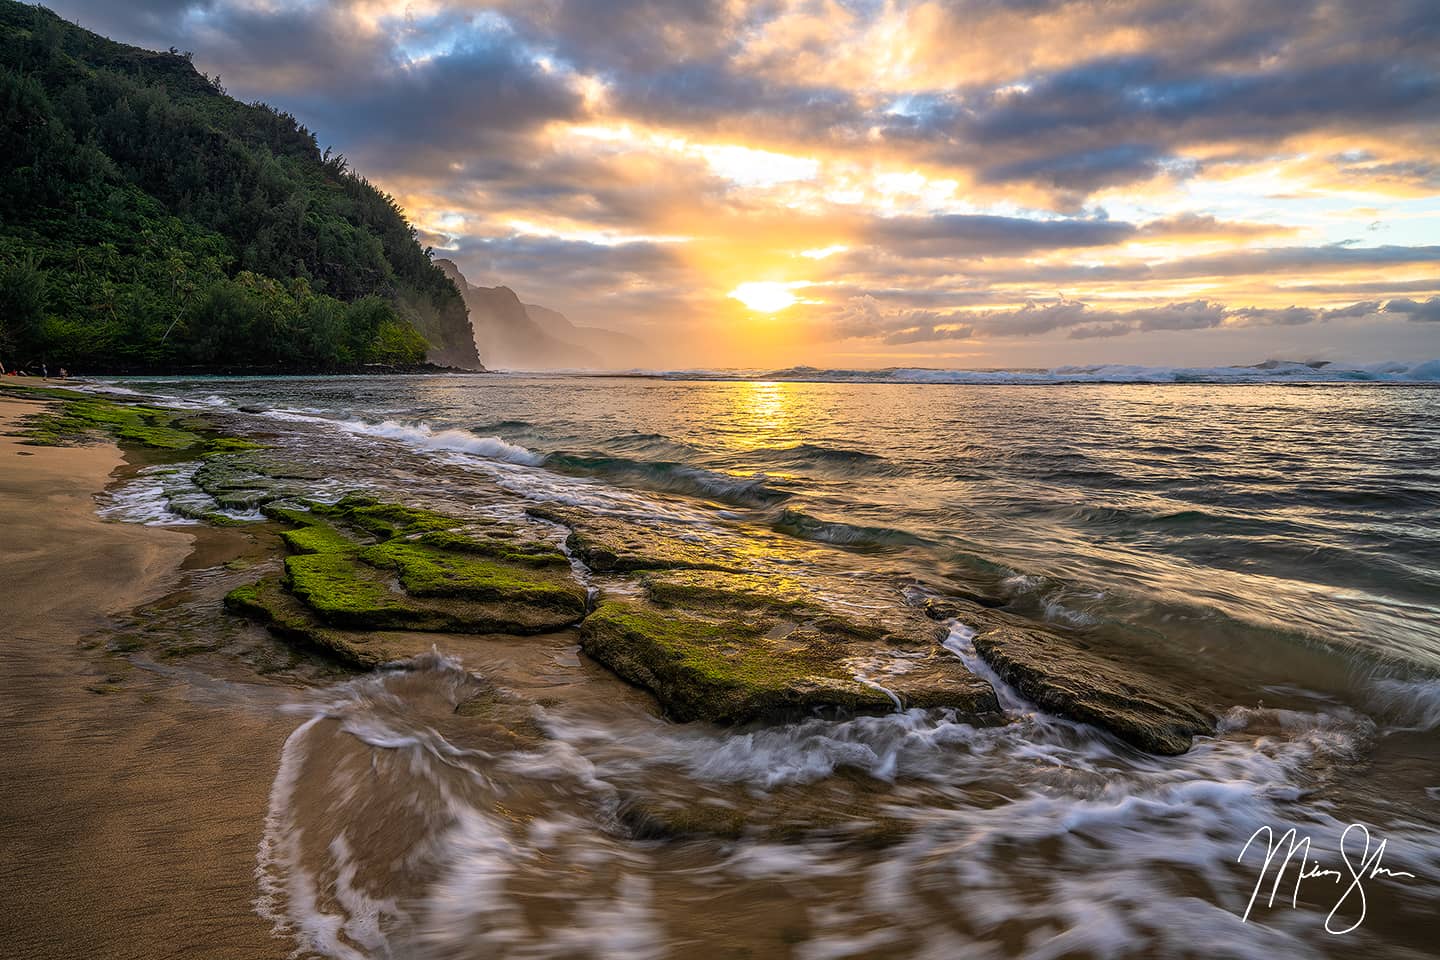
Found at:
<point>1266,538</point>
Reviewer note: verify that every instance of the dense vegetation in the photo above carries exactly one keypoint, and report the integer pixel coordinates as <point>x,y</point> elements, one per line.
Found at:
<point>150,222</point>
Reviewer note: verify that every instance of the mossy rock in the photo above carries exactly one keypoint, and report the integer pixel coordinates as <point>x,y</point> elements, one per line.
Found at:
<point>251,480</point>
<point>646,818</point>
<point>1057,675</point>
<point>385,521</point>
<point>428,571</point>
<point>271,604</point>
<point>611,545</point>
<point>340,589</point>
<point>1062,675</point>
<point>504,718</point>
<point>346,592</point>
<point>79,418</point>
<point>844,811</point>
<point>727,593</point>
<point>499,544</point>
<point>317,537</point>
<point>720,591</point>
<point>735,671</point>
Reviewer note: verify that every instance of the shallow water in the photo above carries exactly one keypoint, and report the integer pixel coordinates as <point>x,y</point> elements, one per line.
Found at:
<point>1274,547</point>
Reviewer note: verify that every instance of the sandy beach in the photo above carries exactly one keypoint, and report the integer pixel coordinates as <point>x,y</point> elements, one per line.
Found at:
<point>129,808</point>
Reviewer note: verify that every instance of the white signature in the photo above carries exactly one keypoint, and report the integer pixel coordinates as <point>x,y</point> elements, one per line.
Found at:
<point>1368,866</point>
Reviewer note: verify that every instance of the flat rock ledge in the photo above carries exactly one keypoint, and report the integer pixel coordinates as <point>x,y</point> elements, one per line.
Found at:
<point>1057,674</point>
<point>365,581</point>
<point>737,648</point>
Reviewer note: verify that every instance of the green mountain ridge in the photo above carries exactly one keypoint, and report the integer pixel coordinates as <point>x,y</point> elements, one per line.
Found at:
<point>150,222</point>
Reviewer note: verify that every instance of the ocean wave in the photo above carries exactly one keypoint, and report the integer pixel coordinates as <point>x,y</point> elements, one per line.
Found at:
<point>797,523</point>
<point>671,477</point>
<point>423,437</point>
<point>839,461</point>
<point>1269,371</point>
<point>1411,704</point>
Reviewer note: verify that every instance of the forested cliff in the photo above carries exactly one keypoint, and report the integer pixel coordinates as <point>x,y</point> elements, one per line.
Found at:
<point>150,222</point>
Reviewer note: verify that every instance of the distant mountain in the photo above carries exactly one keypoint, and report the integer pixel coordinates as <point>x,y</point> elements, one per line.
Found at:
<point>525,336</point>
<point>150,222</point>
<point>613,350</point>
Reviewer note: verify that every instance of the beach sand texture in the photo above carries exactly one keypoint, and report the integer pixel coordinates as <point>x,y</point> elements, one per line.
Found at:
<point>128,812</point>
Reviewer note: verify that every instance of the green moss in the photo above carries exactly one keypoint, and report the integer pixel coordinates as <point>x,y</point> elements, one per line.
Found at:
<point>267,602</point>
<point>501,548</point>
<point>386,520</point>
<point>233,445</point>
<point>728,671</point>
<point>295,516</point>
<point>29,391</point>
<point>245,599</point>
<point>426,571</point>
<point>317,537</point>
<point>338,591</point>
<point>611,545</point>
<point>720,591</point>
<point>79,418</point>
<point>344,592</point>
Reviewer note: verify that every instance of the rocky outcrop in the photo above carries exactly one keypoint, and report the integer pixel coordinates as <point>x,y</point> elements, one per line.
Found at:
<point>610,545</point>
<point>714,641</point>
<point>1059,675</point>
<point>710,636</point>
<point>364,577</point>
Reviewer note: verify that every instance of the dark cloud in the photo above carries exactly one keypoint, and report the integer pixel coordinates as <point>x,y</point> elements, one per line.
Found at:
<point>157,23</point>
<point>1428,310</point>
<point>958,235</point>
<point>476,97</point>
<point>451,107</point>
<point>864,317</point>
<point>1295,259</point>
<point>1368,286</point>
<point>1203,73</point>
<point>1199,225</point>
<point>619,38</point>
<point>548,261</point>
<point>1210,72</point>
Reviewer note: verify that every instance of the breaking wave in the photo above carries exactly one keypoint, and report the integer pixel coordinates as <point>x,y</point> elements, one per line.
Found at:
<point>423,437</point>
<point>671,477</point>
<point>1270,371</point>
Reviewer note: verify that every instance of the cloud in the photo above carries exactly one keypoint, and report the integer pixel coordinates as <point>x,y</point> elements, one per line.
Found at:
<point>955,235</point>
<point>1428,310</point>
<point>1080,321</point>
<point>1191,225</point>
<point>963,152</point>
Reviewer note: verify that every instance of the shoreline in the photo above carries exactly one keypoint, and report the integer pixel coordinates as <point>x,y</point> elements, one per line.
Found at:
<point>147,779</point>
<point>130,806</point>
<point>358,370</point>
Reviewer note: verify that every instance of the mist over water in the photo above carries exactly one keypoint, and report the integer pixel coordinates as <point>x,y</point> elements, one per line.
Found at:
<point>1275,546</point>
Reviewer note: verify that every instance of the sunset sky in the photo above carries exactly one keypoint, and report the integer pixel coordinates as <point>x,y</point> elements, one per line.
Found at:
<point>964,183</point>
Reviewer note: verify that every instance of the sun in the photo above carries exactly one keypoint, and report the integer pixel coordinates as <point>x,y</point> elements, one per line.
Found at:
<point>766,296</point>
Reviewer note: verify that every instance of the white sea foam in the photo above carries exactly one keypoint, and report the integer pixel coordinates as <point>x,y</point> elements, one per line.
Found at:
<point>166,495</point>
<point>423,437</point>
<point>1407,704</point>
<point>1083,852</point>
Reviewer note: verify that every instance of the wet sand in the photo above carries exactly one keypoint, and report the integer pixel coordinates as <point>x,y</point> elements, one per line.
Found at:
<point>131,806</point>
